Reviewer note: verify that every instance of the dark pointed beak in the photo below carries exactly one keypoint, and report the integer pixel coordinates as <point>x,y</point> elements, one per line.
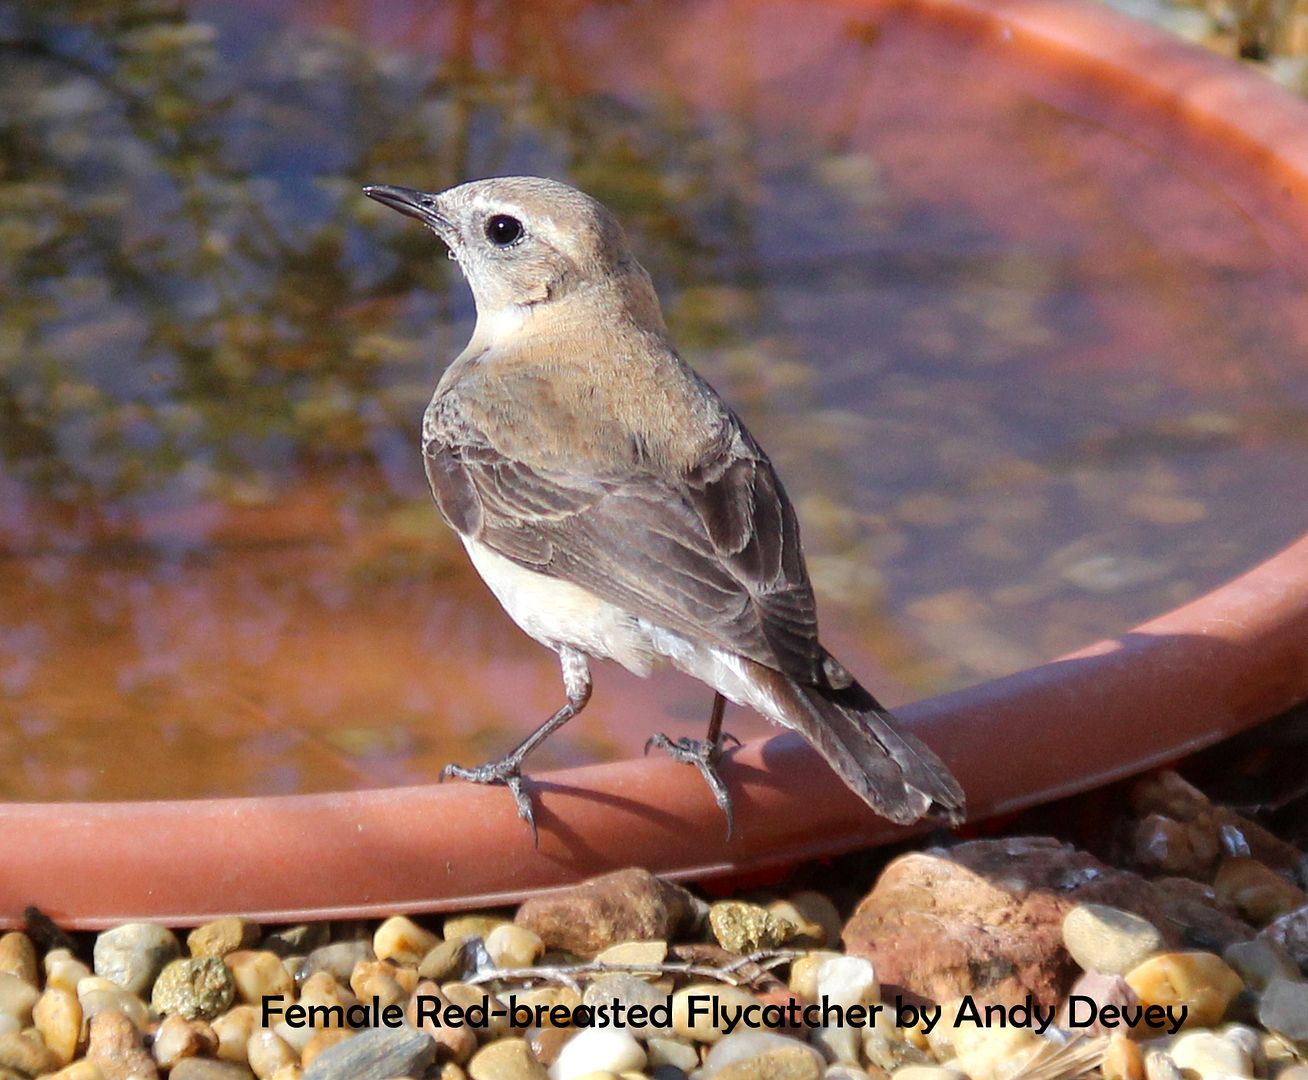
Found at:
<point>422,205</point>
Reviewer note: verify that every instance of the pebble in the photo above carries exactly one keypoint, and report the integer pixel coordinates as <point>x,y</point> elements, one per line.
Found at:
<point>195,1068</point>
<point>634,952</point>
<point>671,1052</point>
<point>267,1052</point>
<point>58,1017</point>
<point>384,981</point>
<point>746,928</point>
<point>24,1052</point>
<point>321,1041</point>
<point>474,924</point>
<point>96,995</point>
<point>64,970</point>
<point>818,910</point>
<point>403,941</point>
<point>17,996</point>
<point>297,940</point>
<point>322,989</point>
<point>766,1054</point>
<point>18,956</point>
<point>233,1029</point>
<point>506,1059</point>
<point>594,1049</point>
<point>699,1027</point>
<point>1199,980</point>
<point>446,961</point>
<point>1256,891</point>
<point>626,905</point>
<point>223,936</point>
<point>378,1054</point>
<point>1103,990</point>
<point>628,990</point>
<point>1122,1059</point>
<point>258,974</point>
<point>339,959</point>
<point>179,1038</point>
<point>1283,1008</point>
<point>848,980</point>
<point>514,946</point>
<point>1259,961</point>
<point>1211,1056</point>
<point>466,996</point>
<point>1108,939</point>
<point>195,987</point>
<point>453,1042</point>
<point>804,972</point>
<point>995,1053</point>
<point>132,955</point>
<point>1160,1066</point>
<point>115,1047</point>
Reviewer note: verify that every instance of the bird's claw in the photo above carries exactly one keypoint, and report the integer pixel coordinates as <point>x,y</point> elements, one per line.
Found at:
<point>506,771</point>
<point>704,755</point>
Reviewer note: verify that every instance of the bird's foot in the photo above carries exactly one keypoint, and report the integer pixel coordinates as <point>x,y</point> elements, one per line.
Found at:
<point>506,771</point>
<point>704,754</point>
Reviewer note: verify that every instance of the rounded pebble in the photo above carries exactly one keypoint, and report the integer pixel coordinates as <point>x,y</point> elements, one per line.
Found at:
<point>594,1049</point>
<point>1202,982</point>
<point>513,946</point>
<point>258,974</point>
<point>403,941</point>
<point>223,936</point>
<point>1108,939</point>
<point>742,1047</point>
<point>58,1017</point>
<point>1283,1009</point>
<point>506,1059</point>
<point>18,956</point>
<point>132,955</point>
<point>267,1052</point>
<point>693,1010</point>
<point>196,987</point>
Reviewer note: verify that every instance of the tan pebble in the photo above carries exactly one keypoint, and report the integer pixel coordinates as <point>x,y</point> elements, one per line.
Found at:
<point>402,940</point>
<point>78,1070</point>
<point>454,1042</point>
<point>817,908</point>
<point>1202,982</point>
<point>234,1029</point>
<point>323,1039</point>
<point>17,998</point>
<point>58,1017</point>
<point>288,1072</point>
<point>64,970</point>
<point>451,1071</point>
<point>267,1052</point>
<point>18,956</point>
<point>99,1000</point>
<point>513,946</point>
<point>259,974</point>
<point>550,997</point>
<point>992,1053</point>
<point>24,1052</point>
<point>547,1042</point>
<point>1108,939</point>
<point>223,936</point>
<point>115,1046</point>
<point>379,979</point>
<point>693,1010</point>
<point>506,1059</point>
<point>179,1038</point>
<point>1256,891</point>
<point>476,924</point>
<point>468,997</point>
<point>804,972</point>
<point>674,1052</point>
<point>1123,1060</point>
<point>634,952</point>
<point>928,1072</point>
<point>321,990</point>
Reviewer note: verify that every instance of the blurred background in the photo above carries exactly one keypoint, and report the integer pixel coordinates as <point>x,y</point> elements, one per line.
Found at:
<point>1030,362</point>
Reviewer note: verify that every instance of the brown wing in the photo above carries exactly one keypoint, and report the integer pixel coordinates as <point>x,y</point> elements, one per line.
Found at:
<point>713,554</point>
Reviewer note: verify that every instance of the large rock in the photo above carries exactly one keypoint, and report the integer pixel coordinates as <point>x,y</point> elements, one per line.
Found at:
<point>985,918</point>
<point>627,905</point>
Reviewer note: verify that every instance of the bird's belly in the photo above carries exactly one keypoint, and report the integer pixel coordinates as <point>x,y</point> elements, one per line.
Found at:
<point>557,612</point>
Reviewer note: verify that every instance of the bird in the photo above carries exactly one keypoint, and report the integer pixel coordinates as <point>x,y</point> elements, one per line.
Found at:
<point>619,509</point>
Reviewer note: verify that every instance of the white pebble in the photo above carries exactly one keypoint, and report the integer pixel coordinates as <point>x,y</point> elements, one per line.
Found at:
<point>847,980</point>
<point>597,1050</point>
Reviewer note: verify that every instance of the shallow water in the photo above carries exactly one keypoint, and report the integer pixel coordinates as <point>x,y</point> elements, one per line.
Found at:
<point>1030,367</point>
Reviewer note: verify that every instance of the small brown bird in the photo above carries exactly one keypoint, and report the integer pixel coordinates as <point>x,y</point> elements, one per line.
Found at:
<point>618,508</point>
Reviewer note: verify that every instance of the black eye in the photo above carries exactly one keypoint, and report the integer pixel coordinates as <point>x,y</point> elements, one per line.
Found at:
<point>503,230</point>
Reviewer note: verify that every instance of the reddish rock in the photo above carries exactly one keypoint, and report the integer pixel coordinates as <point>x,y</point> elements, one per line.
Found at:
<point>627,905</point>
<point>985,918</point>
<point>1257,891</point>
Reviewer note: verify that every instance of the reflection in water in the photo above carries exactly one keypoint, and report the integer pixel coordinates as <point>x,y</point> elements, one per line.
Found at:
<point>1029,380</point>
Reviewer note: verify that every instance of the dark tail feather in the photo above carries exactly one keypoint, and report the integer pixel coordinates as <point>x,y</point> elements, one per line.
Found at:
<point>890,770</point>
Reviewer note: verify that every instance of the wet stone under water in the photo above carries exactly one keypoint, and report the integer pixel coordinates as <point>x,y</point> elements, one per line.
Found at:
<point>1030,376</point>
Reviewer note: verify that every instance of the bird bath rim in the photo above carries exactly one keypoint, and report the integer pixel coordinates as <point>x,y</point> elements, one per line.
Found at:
<point>1174,684</point>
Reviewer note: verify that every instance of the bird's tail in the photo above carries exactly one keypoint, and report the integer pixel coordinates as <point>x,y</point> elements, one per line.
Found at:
<point>889,769</point>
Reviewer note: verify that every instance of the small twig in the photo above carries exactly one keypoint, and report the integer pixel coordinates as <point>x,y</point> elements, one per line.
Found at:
<point>571,974</point>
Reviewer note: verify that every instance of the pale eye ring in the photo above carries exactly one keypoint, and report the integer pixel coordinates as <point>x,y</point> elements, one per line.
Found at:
<point>503,230</point>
